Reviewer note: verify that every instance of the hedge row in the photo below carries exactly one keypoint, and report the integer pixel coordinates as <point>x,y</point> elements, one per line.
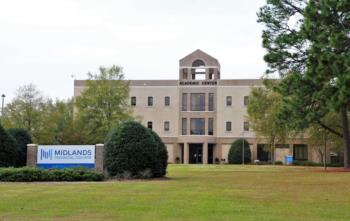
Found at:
<point>313,164</point>
<point>26,174</point>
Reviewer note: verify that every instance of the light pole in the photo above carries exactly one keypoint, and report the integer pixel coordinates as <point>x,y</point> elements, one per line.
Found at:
<point>2,106</point>
<point>243,148</point>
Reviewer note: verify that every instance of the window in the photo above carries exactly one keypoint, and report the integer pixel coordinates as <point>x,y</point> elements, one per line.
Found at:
<point>197,71</point>
<point>133,101</point>
<point>184,126</point>
<point>166,125</point>
<point>150,125</point>
<point>184,102</point>
<point>246,126</point>
<point>210,126</point>
<point>197,126</point>
<point>211,102</point>
<point>300,152</point>
<point>150,101</point>
<point>197,102</point>
<point>198,63</point>
<point>228,125</point>
<point>167,101</point>
<point>246,100</point>
<point>228,101</point>
<point>211,73</point>
<point>184,73</point>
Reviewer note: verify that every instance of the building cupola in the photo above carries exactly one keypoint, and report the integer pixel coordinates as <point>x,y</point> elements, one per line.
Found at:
<point>199,66</point>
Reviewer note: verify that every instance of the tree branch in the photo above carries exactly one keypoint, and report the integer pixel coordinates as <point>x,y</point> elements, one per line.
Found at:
<point>329,129</point>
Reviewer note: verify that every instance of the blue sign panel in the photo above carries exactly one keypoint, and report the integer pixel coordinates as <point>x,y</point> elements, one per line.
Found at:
<point>66,156</point>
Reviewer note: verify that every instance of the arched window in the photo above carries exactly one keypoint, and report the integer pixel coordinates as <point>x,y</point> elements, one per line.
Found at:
<point>198,63</point>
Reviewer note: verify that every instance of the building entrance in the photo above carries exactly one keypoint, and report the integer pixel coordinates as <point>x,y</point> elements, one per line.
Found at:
<point>196,153</point>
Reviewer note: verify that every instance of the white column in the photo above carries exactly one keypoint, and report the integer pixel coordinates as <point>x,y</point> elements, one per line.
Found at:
<point>186,153</point>
<point>205,153</point>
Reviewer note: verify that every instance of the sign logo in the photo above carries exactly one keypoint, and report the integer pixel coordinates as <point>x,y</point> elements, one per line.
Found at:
<point>46,154</point>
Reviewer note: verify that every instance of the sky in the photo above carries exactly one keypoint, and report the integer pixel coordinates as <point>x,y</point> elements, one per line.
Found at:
<point>50,43</point>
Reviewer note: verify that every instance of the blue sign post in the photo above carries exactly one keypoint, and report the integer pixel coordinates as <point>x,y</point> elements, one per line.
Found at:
<point>66,156</point>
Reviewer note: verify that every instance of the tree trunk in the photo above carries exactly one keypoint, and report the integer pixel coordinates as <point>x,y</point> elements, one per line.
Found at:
<point>346,139</point>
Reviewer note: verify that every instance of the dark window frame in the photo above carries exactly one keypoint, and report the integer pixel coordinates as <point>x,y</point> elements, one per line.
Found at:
<point>167,126</point>
<point>228,126</point>
<point>197,131</point>
<point>200,106</point>
<point>245,100</point>
<point>184,126</point>
<point>228,101</point>
<point>167,101</point>
<point>133,101</point>
<point>211,101</point>
<point>150,125</point>
<point>150,101</point>
<point>210,126</point>
<point>246,125</point>
<point>184,103</point>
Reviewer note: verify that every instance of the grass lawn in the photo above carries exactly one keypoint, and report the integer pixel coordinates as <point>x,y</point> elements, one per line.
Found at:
<point>193,192</point>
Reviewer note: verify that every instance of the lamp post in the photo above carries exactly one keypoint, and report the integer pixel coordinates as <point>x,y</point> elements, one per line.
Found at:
<point>2,106</point>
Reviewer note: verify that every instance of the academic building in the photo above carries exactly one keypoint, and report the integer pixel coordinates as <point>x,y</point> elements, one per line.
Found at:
<point>199,115</point>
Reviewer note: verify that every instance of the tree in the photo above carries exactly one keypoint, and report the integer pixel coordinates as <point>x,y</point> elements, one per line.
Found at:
<point>103,104</point>
<point>323,140</point>
<point>26,110</point>
<point>8,149</point>
<point>262,115</point>
<point>235,154</point>
<point>132,148</point>
<point>22,138</point>
<point>47,121</point>
<point>308,44</point>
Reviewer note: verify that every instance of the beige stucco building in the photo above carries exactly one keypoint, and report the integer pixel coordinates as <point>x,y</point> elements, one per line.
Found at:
<point>199,115</point>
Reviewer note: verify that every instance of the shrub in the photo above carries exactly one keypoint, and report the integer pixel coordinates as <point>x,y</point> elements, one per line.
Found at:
<point>22,138</point>
<point>27,174</point>
<point>8,149</point>
<point>217,160</point>
<point>263,163</point>
<point>162,155</point>
<point>306,163</point>
<point>133,148</point>
<point>278,163</point>
<point>235,153</point>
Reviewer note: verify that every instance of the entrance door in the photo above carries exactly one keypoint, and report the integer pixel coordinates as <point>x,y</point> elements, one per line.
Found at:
<point>210,153</point>
<point>196,153</point>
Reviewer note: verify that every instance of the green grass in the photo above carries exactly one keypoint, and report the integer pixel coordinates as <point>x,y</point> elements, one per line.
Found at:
<point>193,192</point>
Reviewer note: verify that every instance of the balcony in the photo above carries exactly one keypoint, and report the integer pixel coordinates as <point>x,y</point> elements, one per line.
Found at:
<point>197,108</point>
<point>197,132</point>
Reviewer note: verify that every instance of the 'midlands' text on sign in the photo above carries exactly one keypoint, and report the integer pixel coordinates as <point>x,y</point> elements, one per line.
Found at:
<point>64,156</point>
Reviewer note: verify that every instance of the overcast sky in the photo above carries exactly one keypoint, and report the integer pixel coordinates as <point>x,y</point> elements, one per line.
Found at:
<point>49,43</point>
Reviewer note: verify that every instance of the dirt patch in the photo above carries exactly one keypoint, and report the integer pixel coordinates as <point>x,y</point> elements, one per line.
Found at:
<point>334,170</point>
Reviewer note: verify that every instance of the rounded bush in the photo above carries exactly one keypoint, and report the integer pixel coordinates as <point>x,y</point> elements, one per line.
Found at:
<point>235,153</point>
<point>162,153</point>
<point>22,138</point>
<point>134,150</point>
<point>8,149</point>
